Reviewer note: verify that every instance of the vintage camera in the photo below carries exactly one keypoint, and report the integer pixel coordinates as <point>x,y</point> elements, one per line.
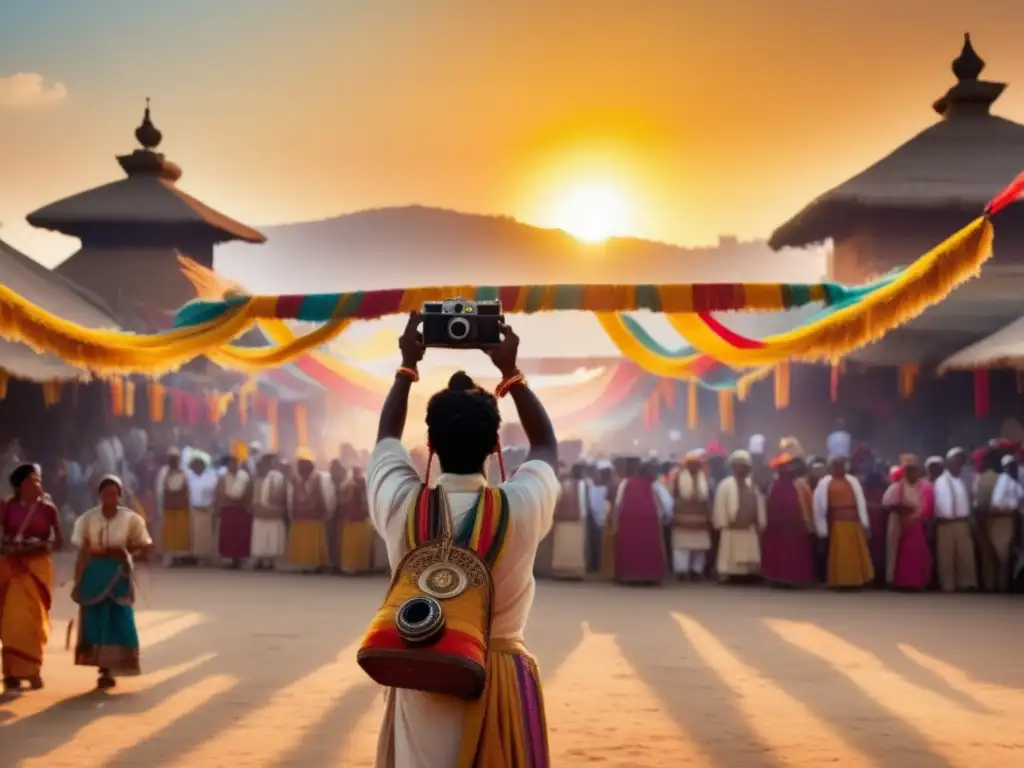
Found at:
<point>462,323</point>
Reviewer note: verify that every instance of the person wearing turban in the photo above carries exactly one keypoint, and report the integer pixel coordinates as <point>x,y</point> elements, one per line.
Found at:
<point>841,518</point>
<point>691,521</point>
<point>954,544</point>
<point>269,512</point>
<point>910,504</point>
<point>640,556</point>
<point>1006,505</point>
<point>202,488</point>
<point>312,501</point>
<point>233,502</point>
<point>739,516</point>
<point>174,509</point>
<point>983,489</point>
<point>787,556</point>
<point>109,538</point>
<point>30,528</point>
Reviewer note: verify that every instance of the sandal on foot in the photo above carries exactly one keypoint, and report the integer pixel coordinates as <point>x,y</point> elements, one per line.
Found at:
<point>12,684</point>
<point>36,683</point>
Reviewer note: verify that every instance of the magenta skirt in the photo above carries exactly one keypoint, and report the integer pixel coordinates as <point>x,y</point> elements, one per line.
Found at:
<point>787,555</point>
<point>235,532</point>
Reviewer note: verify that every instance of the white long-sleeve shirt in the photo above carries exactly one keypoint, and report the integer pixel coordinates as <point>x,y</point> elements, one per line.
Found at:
<point>666,504</point>
<point>1008,493</point>
<point>202,489</point>
<point>951,499</point>
<point>597,500</point>
<point>582,497</point>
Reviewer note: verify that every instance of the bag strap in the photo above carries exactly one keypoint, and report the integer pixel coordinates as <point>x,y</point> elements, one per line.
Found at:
<point>485,531</point>
<point>491,526</point>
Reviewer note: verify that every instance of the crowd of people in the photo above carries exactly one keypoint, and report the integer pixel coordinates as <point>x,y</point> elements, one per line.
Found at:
<point>491,522</point>
<point>951,522</point>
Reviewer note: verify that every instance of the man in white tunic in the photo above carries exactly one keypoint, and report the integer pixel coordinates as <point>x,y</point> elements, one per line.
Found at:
<point>739,514</point>
<point>1002,519</point>
<point>269,509</point>
<point>691,520</point>
<point>954,545</point>
<point>202,488</point>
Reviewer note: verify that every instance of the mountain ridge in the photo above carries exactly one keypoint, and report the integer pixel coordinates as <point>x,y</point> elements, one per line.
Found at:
<point>413,245</point>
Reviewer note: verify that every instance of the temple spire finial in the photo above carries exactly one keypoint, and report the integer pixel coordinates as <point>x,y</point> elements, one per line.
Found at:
<point>147,134</point>
<point>968,65</point>
<point>970,96</point>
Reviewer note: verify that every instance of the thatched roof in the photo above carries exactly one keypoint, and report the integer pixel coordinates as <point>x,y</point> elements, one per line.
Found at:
<point>1003,349</point>
<point>149,197</point>
<point>33,281</point>
<point>955,166</point>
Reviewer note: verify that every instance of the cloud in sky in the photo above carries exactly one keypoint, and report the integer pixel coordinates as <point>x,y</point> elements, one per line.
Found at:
<point>26,90</point>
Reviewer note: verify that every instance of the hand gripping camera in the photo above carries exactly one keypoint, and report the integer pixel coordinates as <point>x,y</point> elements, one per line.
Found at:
<point>462,323</point>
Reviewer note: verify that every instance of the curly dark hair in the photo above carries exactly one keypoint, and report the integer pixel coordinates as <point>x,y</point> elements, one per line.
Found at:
<point>462,425</point>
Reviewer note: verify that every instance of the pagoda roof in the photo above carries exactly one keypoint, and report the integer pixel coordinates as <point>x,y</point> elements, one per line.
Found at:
<point>148,196</point>
<point>139,200</point>
<point>954,166</point>
<point>31,280</point>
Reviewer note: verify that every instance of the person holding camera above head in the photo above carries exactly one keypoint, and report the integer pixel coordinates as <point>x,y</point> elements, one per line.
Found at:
<point>502,723</point>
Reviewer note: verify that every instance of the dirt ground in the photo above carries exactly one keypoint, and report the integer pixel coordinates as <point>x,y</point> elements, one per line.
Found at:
<point>255,669</point>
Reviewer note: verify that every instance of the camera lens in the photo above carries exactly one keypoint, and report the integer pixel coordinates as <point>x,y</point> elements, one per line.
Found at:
<point>458,329</point>
<point>458,309</point>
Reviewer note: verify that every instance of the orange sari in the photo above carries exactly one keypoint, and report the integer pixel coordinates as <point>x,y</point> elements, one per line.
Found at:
<point>26,591</point>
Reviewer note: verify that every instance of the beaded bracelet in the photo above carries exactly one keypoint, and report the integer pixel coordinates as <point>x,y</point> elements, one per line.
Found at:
<point>507,384</point>
<point>410,373</point>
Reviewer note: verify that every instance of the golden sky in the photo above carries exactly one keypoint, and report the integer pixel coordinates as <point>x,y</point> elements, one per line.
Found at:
<point>716,117</point>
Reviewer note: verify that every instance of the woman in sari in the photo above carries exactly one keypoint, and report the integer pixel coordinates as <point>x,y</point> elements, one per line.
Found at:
<point>910,503</point>
<point>108,537</point>
<point>31,530</point>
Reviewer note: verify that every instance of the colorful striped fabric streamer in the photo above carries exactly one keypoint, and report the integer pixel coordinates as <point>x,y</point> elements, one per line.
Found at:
<point>528,299</point>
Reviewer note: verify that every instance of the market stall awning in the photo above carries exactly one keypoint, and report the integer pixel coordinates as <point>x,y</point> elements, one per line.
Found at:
<point>1003,349</point>
<point>53,293</point>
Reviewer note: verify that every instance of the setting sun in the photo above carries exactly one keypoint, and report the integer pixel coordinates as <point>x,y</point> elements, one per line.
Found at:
<point>593,213</point>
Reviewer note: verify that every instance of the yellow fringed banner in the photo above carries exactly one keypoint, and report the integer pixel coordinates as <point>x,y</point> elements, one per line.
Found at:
<point>692,406</point>
<point>726,412</point>
<point>908,379</point>
<point>782,385</point>
<point>925,282</point>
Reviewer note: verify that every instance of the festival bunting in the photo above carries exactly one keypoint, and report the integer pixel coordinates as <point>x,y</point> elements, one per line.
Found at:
<point>860,315</point>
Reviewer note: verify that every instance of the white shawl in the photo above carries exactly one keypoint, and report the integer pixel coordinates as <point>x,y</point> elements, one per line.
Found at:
<point>685,486</point>
<point>727,503</point>
<point>235,485</point>
<point>821,504</point>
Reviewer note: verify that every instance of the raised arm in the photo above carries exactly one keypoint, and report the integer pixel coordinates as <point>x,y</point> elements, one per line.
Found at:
<point>396,404</point>
<point>532,414</point>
